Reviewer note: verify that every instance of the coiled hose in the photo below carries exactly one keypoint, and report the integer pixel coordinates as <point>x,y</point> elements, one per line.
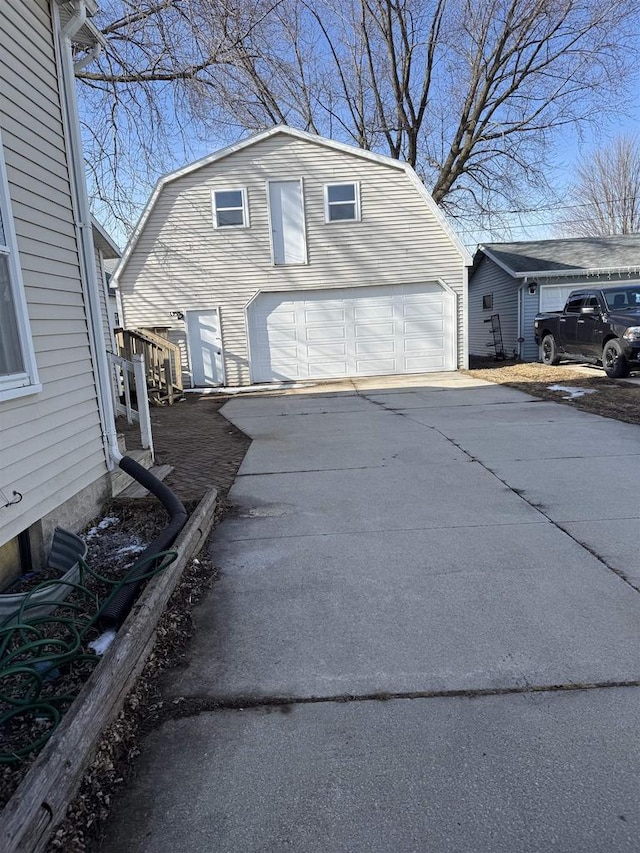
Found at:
<point>40,652</point>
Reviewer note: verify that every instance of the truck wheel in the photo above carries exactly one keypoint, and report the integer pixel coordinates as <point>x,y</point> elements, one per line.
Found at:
<point>549,351</point>
<point>614,361</point>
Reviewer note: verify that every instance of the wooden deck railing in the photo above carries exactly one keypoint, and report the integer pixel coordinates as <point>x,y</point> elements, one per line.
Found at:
<point>162,360</point>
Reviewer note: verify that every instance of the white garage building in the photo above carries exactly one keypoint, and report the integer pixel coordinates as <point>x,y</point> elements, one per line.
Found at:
<point>292,257</point>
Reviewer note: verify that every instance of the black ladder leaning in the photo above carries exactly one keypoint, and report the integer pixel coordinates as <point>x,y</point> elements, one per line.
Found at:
<point>496,336</point>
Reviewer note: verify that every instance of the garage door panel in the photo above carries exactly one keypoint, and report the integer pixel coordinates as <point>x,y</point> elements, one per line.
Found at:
<point>324,315</point>
<point>427,309</point>
<point>280,353</point>
<point>324,333</point>
<point>373,312</point>
<point>375,367</point>
<point>374,330</point>
<point>327,351</point>
<point>374,347</point>
<point>425,363</point>
<point>419,345</point>
<point>423,327</point>
<point>329,369</point>
<point>352,331</point>
<point>276,336</point>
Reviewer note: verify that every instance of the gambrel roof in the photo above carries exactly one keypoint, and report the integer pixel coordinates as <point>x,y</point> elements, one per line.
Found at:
<point>308,137</point>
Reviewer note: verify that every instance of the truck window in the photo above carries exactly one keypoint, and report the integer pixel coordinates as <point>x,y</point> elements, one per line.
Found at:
<point>574,304</point>
<point>593,302</point>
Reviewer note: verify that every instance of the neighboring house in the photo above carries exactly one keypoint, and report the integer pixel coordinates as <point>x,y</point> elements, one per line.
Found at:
<point>289,257</point>
<point>56,416</point>
<point>517,280</point>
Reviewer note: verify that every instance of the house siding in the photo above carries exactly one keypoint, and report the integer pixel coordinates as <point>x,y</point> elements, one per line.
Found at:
<point>489,278</point>
<point>180,261</point>
<point>51,442</point>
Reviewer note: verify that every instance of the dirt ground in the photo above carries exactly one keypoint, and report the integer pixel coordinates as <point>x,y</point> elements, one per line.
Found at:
<point>611,398</point>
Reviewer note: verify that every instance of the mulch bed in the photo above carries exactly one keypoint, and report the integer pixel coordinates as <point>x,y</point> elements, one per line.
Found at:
<point>114,541</point>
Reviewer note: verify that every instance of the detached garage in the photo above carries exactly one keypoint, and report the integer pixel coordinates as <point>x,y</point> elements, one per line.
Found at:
<point>292,257</point>
<point>515,281</point>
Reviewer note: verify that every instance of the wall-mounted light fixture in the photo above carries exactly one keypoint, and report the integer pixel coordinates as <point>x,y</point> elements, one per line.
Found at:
<point>533,287</point>
<point>177,314</point>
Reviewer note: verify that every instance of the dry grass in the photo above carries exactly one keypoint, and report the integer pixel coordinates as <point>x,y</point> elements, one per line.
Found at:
<point>613,398</point>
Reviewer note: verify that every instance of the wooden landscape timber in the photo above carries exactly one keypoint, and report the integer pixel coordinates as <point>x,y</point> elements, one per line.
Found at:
<point>41,800</point>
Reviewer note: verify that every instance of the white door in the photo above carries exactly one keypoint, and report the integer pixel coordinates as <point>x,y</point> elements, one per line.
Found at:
<point>286,214</point>
<point>358,331</point>
<point>204,343</point>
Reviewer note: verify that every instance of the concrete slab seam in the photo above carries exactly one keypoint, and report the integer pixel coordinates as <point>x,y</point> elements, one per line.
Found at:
<point>191,706</point>
<point>622,575</point>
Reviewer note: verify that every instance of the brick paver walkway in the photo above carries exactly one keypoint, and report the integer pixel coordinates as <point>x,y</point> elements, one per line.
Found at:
<point>203,447</point>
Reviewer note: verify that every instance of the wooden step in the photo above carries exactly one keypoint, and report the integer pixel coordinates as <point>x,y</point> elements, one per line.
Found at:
<point>119,480</point>
<point>136,490</point>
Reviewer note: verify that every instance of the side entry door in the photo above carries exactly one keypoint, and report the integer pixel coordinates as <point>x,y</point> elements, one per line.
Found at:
<point>204,342</point>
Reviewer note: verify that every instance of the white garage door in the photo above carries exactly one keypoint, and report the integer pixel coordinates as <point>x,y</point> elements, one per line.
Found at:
<point>554,296</point>
<point>358,331</point>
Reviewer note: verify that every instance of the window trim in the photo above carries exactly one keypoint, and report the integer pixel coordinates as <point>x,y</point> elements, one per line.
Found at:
<point>244,208</point>
<point>26,382</point>
<point>328,204</point>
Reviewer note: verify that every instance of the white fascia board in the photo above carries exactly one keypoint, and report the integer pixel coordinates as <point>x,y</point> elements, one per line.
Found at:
<point>580,271</point>
<point>307,137</point>
<point>104,241</point>
<point>497,261</point>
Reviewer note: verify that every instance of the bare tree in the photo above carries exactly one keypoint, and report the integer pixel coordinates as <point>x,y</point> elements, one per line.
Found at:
<point>471,94</point>
<point>605,198</point>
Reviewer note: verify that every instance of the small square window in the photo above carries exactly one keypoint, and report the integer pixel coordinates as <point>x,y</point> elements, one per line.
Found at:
<point>230,208</point>
<point>487,302</point>
<point>342,202</point>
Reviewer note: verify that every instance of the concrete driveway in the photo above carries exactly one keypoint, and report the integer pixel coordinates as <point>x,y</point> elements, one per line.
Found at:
<point>425,636</point>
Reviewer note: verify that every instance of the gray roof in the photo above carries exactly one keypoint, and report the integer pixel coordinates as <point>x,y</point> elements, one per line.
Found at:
<point>587,254</point>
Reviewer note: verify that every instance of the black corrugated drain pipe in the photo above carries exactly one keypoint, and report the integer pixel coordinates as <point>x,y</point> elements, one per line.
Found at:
<point>116,610</point>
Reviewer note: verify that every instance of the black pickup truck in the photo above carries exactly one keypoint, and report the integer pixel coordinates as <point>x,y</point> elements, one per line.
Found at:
<point>597,324</point>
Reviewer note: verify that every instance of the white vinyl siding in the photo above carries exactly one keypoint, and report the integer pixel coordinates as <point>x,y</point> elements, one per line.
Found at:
<point>51,443</point>
<point>177,262</point>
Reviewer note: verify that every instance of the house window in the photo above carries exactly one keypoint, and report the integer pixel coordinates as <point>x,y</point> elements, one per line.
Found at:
<point>487,302</point>
<point>342,202</point>
<point>18,372</point>
<point>230,209</point>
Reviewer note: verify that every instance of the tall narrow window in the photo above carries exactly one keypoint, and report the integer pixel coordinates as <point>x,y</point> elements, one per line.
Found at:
<point>342,202</point>
<point>18,373</point>
<point>230,208</point>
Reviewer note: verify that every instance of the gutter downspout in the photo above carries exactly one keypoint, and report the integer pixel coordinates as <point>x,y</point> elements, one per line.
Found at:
<point>83,226</point>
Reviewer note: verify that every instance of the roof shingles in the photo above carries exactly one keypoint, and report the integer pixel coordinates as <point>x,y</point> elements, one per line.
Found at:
<point>621,251</point>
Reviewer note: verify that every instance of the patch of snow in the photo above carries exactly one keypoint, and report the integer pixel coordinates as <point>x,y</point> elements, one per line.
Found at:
<point>103,642</point>
<point>571,392</point>
<point>131,549</point>
<point>107,521</point>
